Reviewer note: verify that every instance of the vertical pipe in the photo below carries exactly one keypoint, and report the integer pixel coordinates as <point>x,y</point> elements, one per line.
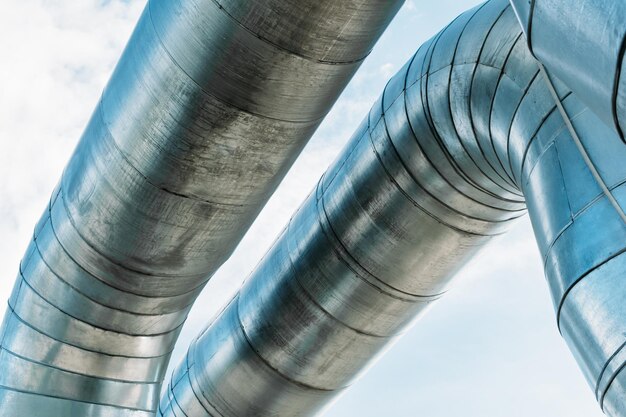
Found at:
<point>583,44</point>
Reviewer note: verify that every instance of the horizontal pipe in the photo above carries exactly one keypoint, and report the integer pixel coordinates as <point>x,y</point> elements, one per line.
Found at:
<point>463,140</point>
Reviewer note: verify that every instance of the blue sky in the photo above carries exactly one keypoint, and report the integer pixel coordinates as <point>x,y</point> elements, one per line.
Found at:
<point>488,349</point>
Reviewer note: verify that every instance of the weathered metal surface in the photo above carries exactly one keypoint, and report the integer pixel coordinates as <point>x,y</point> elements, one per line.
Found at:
<point>207,109</point>
<point>463,139</point>
<point>583,43</point>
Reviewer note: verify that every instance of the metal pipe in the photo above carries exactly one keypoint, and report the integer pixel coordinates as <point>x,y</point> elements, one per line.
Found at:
<point>463,139</point>
<point>208,107</point>
<point>583,44</point>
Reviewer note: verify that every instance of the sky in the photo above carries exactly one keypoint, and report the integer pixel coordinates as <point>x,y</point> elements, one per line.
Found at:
<point>490,348</point>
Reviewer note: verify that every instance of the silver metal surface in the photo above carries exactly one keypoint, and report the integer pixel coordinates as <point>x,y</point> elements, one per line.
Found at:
<point>582,43</point>
<point>463,140</point>
<point>208,107</point>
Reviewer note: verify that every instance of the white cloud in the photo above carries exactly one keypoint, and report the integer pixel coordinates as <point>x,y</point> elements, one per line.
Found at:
<point>386,70</point>
<point>56,58</point>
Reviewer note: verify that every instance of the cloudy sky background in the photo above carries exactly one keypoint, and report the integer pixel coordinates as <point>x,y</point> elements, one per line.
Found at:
<point>488,349</point>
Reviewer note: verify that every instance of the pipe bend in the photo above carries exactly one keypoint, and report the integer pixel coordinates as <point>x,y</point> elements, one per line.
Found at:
<point>208,107</point>
<point>463,140</point>
<point>584,46</point>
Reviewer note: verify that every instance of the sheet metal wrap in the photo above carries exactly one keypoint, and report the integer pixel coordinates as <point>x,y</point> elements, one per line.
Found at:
<point>583,43</point>
<point>207,109</point>
<point>463,140</point>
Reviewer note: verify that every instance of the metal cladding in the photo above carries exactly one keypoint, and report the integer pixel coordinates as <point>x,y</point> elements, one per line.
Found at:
<point>584,46</point>
<point>208,107</point>
<point>462,140</point>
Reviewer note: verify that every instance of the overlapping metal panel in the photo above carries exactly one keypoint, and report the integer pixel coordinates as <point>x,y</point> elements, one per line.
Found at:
<point>583,43</point>
<point>463,139</point>
<point>207,109</point>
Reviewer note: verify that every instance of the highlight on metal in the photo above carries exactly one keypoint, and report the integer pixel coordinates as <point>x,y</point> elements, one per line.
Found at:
<point>469,136</point>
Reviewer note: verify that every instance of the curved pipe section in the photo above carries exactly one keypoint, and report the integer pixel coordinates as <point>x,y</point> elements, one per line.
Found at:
<point>208,107</point>
<point>463,139</point>
<point>584,46</point>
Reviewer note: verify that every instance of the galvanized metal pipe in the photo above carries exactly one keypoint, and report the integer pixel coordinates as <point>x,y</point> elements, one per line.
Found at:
<point>462,140</point>
<point>208,107</point>
<point>583,43</point>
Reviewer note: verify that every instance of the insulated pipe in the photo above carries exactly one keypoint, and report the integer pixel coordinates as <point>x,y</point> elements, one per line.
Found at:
<point>208,107</point>
<point>583,43</point>
<point>462,140</point>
